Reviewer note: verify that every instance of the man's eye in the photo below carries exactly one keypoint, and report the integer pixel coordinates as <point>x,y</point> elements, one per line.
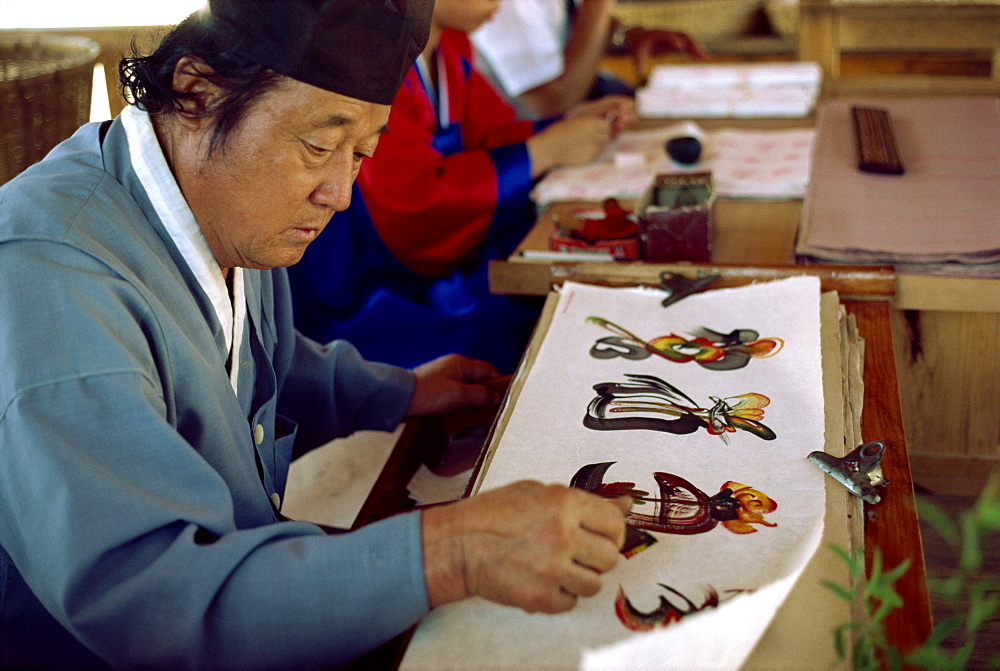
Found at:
<point>316,151</point>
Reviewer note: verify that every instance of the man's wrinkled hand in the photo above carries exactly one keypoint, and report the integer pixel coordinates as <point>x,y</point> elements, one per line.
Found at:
<point>533,546</point>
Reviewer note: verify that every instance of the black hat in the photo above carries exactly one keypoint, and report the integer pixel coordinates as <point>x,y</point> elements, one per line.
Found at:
<point>358,48</point>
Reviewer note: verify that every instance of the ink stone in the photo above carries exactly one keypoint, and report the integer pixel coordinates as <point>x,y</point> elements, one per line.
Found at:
<point>684,149</point>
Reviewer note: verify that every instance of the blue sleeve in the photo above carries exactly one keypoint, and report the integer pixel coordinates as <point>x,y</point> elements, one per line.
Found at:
<point>114,517</point>
<point>545,123</point>
<point>514,182</point>
<point>330,390</point>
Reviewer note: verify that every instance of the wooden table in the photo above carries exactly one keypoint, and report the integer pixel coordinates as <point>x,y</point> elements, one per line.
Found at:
<point>890,526</point>
<point>951,389</point>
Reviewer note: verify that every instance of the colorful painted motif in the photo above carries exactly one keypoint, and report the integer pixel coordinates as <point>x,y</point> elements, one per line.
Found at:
<point>667,612</point>
<point>649,403</point>
<point>681,507</point>
<point>709,349</point>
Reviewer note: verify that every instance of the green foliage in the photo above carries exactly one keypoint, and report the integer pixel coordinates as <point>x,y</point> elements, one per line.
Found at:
<point>876,595</point>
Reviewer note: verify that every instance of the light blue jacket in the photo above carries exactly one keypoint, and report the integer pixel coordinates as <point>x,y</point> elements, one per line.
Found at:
<point>136,516</point>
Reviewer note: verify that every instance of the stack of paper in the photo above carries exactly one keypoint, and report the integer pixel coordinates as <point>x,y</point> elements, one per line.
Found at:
<point>944,208</point>
<point>751,90</point>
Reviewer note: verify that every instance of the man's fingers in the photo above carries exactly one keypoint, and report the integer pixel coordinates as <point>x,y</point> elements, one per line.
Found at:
<point>624,503</point>
<point>458,367</point>
<point>581,581</point>
<point>606,517</point>
<point>597,553</point>
<point>475,370</point>
<point>562,601</point>
<point>479,395</point>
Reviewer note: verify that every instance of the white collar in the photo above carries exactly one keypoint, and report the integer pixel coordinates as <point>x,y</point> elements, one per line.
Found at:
<point>154,174</point>
<point>438,95</point>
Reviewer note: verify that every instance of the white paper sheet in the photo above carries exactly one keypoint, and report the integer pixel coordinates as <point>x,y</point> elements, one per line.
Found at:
<point>556,394</point>
<point>744,164</point>
<point>427,488</point>
<point>330,484</point>
<point>736,76</point>
<point>739,91</point>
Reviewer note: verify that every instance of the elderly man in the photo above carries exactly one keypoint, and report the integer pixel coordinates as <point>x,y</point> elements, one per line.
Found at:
<point>153,385</point>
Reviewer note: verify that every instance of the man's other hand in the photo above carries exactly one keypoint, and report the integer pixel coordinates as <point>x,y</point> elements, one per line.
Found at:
<point>450,382</point>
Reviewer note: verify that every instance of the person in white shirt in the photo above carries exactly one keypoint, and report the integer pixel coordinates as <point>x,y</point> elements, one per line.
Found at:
<point>544,55</point>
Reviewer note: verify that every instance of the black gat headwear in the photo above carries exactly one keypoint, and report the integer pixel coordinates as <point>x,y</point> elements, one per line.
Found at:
<point>358,48</point>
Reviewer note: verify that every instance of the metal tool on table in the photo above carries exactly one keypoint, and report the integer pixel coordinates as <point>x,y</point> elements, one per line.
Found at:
<point>678,286</point>
<point>860,470</point>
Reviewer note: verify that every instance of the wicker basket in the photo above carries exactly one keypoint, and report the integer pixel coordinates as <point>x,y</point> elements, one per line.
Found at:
<point>704,20</point>
<point>784,16</point>
<point>45,88</point>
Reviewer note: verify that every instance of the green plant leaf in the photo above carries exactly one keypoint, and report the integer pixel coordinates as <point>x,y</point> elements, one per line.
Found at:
<point>889,602</point>
<point>942,629</point>
<point>938,520</point>
<point>989,498</point>
<point>961,658</point>
<point>981,609</point>
<point>855,561</point>
<point>840,552</point>
<point>968,591</point>
<point>864,655</point>
<point>892,658</point>
<point>896,573</point>
<point>929,656</point>
<point>989,518</point>
<point>840,638</point>
<point>950,587</point>
<point>875,574</point>
<point>842,592</point>
<point>971,557</point>
<point>987,512</point>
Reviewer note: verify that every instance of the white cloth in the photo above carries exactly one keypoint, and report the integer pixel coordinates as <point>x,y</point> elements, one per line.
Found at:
<point>521,47</point>
<point>168,201</point>
<point>743,163</point>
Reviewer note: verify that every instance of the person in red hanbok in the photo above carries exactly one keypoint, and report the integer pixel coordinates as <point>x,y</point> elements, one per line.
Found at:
<point>402,273</point>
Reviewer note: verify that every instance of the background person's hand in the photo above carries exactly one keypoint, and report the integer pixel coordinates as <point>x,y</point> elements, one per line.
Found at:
<point>533,546</point>
<point>642,44</point>
<point>450,382</point>
<point>575,141</point>
<point>619,110</point>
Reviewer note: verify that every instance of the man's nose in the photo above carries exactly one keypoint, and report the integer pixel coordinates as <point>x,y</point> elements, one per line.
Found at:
<point>335,190</point>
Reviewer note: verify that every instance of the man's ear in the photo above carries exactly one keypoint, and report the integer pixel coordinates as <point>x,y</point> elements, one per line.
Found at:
<point>192,79</point>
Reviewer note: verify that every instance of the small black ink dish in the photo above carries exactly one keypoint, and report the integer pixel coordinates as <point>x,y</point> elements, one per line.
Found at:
<point>684,149</point>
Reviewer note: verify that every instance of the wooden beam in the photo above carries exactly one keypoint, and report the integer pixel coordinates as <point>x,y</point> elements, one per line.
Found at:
<point>869,282</point>
<point>891,524</point>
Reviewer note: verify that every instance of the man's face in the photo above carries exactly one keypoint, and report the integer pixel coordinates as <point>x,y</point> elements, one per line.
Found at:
<point>264,195</point>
